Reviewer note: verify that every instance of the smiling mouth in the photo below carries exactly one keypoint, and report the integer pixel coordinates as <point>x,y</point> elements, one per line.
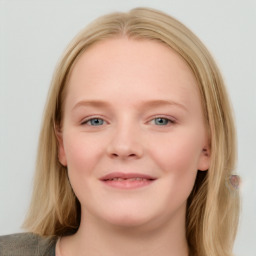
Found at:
<point>127,180</point>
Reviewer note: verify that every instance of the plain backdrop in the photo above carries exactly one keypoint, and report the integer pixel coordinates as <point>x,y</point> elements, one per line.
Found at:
<point>34,33</point>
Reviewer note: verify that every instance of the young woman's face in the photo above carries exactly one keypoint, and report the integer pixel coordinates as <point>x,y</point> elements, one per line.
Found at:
<point>133,134</point>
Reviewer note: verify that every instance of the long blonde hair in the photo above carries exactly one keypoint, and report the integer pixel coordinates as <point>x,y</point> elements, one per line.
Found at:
<point>213,206</point>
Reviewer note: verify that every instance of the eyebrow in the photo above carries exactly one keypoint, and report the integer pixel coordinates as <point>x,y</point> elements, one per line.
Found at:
<point>144,104</point>
<point>158,103</point>
<point>94,103</point>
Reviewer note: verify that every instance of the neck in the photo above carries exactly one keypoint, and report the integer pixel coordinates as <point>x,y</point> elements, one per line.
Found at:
<point>96,238</point>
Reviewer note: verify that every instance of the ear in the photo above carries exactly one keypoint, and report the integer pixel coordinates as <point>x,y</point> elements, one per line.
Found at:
<point>204,159</point>
<point>61,150</point>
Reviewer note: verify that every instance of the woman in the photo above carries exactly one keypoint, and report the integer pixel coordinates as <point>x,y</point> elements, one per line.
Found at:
<point>137,147</point>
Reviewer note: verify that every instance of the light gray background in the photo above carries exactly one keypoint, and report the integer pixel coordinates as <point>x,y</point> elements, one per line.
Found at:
<point>33,35</point>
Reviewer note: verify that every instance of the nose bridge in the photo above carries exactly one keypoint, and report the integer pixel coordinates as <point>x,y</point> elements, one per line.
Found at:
<point>126,139</point>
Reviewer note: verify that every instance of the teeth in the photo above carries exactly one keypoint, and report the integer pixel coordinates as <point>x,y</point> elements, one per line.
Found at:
<point>130,179</point>
<point>117,179</point>
<point>137,179</point>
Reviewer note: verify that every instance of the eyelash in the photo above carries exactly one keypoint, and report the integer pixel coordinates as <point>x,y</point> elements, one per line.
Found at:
<point>167,121</point>
<point>85,122</point>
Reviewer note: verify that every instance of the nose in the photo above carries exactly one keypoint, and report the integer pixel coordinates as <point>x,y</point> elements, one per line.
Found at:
<point>126,143</point>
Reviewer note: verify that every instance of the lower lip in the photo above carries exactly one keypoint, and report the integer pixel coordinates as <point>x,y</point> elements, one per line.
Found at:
<point>128,184</point>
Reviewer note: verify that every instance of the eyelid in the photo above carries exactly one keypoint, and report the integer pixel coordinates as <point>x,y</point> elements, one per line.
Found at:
<point>87,119</point>
<point>171,119</point>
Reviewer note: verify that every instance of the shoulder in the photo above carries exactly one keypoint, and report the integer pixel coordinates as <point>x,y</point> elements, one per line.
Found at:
<point>26,244</point>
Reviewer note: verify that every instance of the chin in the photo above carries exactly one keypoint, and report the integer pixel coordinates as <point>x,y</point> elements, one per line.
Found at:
<point>126,219</point>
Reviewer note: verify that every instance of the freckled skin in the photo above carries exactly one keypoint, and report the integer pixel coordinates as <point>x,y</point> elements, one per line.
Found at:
<point>125,75</point>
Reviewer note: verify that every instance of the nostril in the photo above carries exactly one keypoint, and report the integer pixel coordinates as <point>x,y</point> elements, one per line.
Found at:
<point>117,149</point>
<point>115,155</point>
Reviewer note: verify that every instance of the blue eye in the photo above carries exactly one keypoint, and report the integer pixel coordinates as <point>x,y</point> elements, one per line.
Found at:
<point>94,122</point>
<point>161,121</point>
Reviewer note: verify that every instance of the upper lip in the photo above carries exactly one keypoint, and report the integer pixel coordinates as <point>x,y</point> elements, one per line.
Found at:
<point>126,176</point>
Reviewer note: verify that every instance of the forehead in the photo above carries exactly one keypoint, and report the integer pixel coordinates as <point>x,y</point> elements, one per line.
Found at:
<point>138,66</point>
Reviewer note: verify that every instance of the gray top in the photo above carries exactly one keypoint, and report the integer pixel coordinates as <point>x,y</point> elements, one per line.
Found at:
<point>27,244</point>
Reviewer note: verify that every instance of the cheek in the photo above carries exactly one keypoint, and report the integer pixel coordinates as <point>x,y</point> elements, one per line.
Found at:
<point>177,154</point>
<point>178,157</point>
<point>82,159</point>
<point>179,170</point>
<point>82,153</point>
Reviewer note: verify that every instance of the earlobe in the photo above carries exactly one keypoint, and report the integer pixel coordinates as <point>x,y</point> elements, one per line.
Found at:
<point>61,150</point>
<point>204,161</point>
